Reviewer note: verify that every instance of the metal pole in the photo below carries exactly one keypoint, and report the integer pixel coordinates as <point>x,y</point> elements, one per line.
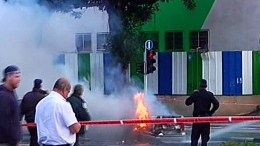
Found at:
<point>145,72</point>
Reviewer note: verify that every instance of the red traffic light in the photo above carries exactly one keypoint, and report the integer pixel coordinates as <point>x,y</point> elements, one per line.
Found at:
<point>151,55</point>
<point>151,59</point>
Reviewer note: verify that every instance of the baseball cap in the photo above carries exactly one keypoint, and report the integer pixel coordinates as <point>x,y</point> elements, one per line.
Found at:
<point>10,70</point>
<point>37,83</point>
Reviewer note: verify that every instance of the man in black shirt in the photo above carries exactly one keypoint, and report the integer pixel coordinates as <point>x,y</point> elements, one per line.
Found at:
<point>202,100</point>
<point>79,107</point>
<point>28,107</point>
<point>10,129</point>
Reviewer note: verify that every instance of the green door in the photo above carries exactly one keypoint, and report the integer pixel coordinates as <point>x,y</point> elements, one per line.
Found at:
<point>84,67</point>
<point>256,72</point>
<point>194,71</point>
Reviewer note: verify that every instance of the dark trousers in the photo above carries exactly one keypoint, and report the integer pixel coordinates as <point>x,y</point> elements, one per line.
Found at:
<point>77,140</point>
<point>56,145</point>
<point>34,137</point>
<point>200,129</point>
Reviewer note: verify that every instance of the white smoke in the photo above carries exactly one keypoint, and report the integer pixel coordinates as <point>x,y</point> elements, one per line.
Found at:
<point>20,38</point>
<point>31,37</point>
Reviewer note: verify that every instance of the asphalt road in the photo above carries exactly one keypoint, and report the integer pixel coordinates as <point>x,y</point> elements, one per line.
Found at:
<point>125,136</point>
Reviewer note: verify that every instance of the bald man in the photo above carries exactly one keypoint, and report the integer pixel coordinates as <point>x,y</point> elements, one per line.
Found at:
<point>55,119</point>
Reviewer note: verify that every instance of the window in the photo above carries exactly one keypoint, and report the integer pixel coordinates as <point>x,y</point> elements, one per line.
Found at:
<point>199,40</point>
<point>164,1</point>
<point>83,42</point>
<point>153,36</point>
<point>174,41</point>
<point>102,44</point>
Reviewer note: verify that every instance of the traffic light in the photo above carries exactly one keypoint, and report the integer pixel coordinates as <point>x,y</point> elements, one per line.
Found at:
<point>140,68</point>
<point>150,61</point>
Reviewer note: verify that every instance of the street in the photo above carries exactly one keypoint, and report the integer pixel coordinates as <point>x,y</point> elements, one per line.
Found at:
<point>116,136</point>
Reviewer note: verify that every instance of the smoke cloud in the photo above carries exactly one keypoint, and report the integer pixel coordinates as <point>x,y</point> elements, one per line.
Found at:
<point>31,37</point>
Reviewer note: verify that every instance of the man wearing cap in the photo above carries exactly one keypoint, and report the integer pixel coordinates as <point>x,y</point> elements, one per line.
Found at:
<point>202,100</point>
<point>28,107</point>
<point>10,129</point>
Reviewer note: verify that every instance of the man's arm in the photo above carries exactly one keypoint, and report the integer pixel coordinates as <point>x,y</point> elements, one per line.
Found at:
<point>70,119</point>
<point>22,109</point>
<point>74,128</point>
<point>215,103</point>
<point>191,99</point>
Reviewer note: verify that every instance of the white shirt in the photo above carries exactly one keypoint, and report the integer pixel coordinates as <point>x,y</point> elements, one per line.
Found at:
<point>53,117</point>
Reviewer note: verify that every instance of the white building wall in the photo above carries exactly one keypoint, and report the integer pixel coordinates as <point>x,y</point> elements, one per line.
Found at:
<point>212,71</point>
<point>234,25</point>
<point>179,73</point>
<point>247,72</point>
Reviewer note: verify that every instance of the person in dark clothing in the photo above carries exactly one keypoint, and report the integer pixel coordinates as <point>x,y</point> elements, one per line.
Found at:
<point>79,107</point>
<point>10,129</point>
<point>202,100</point>
<point>28,107</point>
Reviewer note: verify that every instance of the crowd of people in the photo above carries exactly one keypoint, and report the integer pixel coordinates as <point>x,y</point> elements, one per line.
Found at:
<point>57,113</point>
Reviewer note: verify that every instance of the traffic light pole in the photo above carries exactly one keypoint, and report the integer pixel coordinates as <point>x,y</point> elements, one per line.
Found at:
<point>148,45</point>
<point>145,72</point>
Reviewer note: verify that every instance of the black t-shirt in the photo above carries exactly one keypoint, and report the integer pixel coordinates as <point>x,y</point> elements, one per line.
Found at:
<point>10,128</point>
<point>29,102</point>
<point>77,104</point>
<point>202,101</point>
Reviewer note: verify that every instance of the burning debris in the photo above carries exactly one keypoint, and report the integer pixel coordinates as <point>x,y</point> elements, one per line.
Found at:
<point>156,129</point>
<point>141,111</point>
<point>168,129</point>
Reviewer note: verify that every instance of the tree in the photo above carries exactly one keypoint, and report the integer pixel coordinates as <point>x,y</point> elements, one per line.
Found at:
<point>125,20</point>
<point>126,17</point>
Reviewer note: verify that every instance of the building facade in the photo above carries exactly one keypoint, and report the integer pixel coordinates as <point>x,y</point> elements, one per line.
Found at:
<point>218,40</point>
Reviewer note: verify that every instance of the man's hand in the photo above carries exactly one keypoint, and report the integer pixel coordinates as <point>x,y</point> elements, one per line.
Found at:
<point>75,128</point>
<point>196,90</point>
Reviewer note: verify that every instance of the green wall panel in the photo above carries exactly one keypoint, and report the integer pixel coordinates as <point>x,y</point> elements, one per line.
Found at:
<point>84,67</point>
<point>194,71</point>
<point>256,72</point>
<point>174,16</point>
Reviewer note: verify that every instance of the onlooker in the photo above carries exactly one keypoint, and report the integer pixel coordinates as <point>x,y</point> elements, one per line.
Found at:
<point>202,100</point>
<point>28,107</point>
<point>10,129</point>
<point>55,119</point>
<point>79,107</point>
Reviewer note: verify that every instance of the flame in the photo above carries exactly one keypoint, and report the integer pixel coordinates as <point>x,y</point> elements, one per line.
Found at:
<point>141,110</point>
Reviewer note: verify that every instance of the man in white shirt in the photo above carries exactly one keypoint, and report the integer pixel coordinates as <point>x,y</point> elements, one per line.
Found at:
<point>55,119</point>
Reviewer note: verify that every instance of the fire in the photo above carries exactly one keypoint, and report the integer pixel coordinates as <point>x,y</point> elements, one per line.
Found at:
<point>141,110</point>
